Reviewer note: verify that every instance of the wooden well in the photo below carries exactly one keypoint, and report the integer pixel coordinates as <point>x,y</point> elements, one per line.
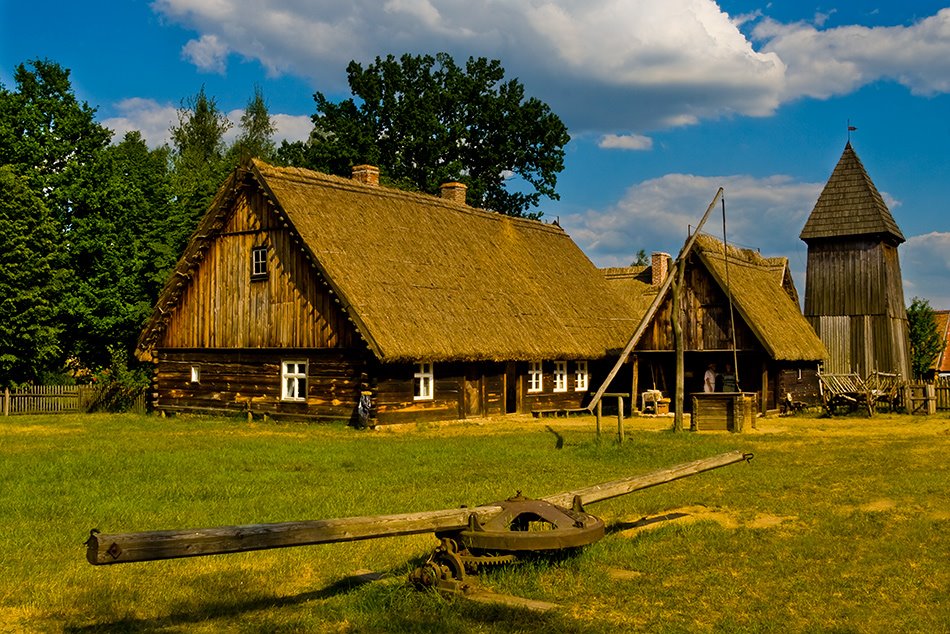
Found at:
<point>726,411</point>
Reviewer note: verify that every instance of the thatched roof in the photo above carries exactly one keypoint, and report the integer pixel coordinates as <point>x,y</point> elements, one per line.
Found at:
<point>850,205</point>
<point>633,285</point>
<point>765,304</point>
<point>424,278</point>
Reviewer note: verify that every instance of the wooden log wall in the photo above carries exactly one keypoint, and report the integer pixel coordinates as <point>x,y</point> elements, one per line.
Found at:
<point>222,307</point>
<point>547,398</point>
<point>461,390</point>
<point>250,380</point>
<point>801,382</point>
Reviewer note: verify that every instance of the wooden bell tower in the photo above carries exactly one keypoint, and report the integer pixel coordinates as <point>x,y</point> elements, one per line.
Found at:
<point>854,298</point>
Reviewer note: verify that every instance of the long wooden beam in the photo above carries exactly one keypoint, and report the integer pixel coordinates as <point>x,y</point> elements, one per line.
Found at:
<point>117,548</point>
<point>172,544</point>
<point>616,488</point>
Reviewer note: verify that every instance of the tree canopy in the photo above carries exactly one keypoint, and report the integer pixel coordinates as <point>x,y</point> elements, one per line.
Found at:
<point>926,343</point>
<point>424,121</point>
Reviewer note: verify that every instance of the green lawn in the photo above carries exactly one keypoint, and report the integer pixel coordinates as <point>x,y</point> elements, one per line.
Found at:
<point>837,525</point>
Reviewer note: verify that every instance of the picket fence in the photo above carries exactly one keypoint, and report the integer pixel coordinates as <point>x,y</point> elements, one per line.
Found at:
<point>940,388</point>
<point>58,399</point>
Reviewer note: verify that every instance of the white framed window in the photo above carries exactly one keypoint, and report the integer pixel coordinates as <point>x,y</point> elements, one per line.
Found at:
<point>259,263</point>
<point>560,376</point>
<point>195,374</point>
<point>422,382</point>
<point>580,377</point>
<point>534,376</point>
<point>293,378</point>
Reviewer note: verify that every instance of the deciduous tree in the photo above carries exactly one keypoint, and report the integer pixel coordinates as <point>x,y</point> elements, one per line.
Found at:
<point>926,342</point>
<point>424,121</point>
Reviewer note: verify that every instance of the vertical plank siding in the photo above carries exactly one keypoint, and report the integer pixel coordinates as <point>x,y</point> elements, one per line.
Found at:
<point>222,307</point>
<point>854,300</point>
<point>707,326</point>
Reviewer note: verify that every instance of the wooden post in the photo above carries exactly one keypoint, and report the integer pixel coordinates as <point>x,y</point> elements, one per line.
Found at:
<point>763,406</point>
<point>620,418</point>
<point>598,420</point>
<point>634,384</point>
<point>930,393</point>
<point>6,401</point>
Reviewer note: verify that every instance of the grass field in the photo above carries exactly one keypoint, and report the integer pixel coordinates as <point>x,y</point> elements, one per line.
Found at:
<point>837,525</point>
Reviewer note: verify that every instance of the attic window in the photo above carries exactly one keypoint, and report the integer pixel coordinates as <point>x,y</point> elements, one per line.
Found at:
<point>259,263</point>
<point>422,382</point>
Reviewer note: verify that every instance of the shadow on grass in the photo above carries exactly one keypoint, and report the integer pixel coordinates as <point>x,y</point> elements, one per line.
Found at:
<point>618,527</point>
<point>225,609</point>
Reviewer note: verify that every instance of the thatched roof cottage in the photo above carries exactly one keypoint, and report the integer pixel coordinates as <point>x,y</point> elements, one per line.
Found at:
<point>301,292</point>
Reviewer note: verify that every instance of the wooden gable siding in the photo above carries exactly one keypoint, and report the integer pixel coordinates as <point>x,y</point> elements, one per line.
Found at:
<point>223,308</point>
<point>707,318</point>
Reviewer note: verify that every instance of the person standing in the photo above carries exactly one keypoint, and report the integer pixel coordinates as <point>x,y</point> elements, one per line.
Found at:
<point>709,379</point>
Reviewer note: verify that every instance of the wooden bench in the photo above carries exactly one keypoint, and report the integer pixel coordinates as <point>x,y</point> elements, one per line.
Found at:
<point>564,411</point>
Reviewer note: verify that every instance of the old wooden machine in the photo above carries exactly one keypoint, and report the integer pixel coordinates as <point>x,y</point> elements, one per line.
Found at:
<point>469,538</point>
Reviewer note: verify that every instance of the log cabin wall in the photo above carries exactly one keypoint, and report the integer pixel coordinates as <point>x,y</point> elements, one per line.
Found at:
<point>222,307</point>
<point>460,390</point>
<point>250,380</point>
<point>801,381</point>
<point>571,398</point>
<point>855,303</point>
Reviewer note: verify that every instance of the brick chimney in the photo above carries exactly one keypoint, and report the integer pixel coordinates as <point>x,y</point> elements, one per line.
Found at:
<point>454,192</point>
<point>366,174</point>
<point>660,265</point>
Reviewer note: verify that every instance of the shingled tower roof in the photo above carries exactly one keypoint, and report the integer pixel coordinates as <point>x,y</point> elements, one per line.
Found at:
<point>850,205</point>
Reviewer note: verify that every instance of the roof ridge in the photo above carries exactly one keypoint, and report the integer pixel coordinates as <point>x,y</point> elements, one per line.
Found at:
<point>307,176</point>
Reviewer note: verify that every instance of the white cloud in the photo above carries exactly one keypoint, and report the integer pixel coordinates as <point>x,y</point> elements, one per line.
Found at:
<point>154,121</point>
<point>656,214</point>
<point>151,118</point>
<point>625,142</point>
<point>208,53</point>
<point>925,268</point>
<point>761,213</point>
<point>628,65</point>
<point>838,61</point>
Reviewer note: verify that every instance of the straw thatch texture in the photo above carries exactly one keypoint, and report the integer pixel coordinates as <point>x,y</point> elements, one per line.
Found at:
<point>850,205</point>
<point>428,279</point>
<point>759,297</point>
<point>633,285</point>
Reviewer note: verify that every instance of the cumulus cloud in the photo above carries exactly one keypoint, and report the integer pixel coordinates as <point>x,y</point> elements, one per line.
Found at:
<point>149,117</point>
<point>825,63</point>
<point>625,142</point>
<point>602,65</point>
<point>208,53</point>
<point>656,214</point>
<point>925,268</point>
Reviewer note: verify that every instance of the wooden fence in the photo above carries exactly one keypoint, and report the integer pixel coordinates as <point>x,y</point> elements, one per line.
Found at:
<point>939,390</point>
<point>58,399</point>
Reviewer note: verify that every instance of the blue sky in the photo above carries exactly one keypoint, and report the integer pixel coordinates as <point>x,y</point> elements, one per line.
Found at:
<point>666,100</point>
